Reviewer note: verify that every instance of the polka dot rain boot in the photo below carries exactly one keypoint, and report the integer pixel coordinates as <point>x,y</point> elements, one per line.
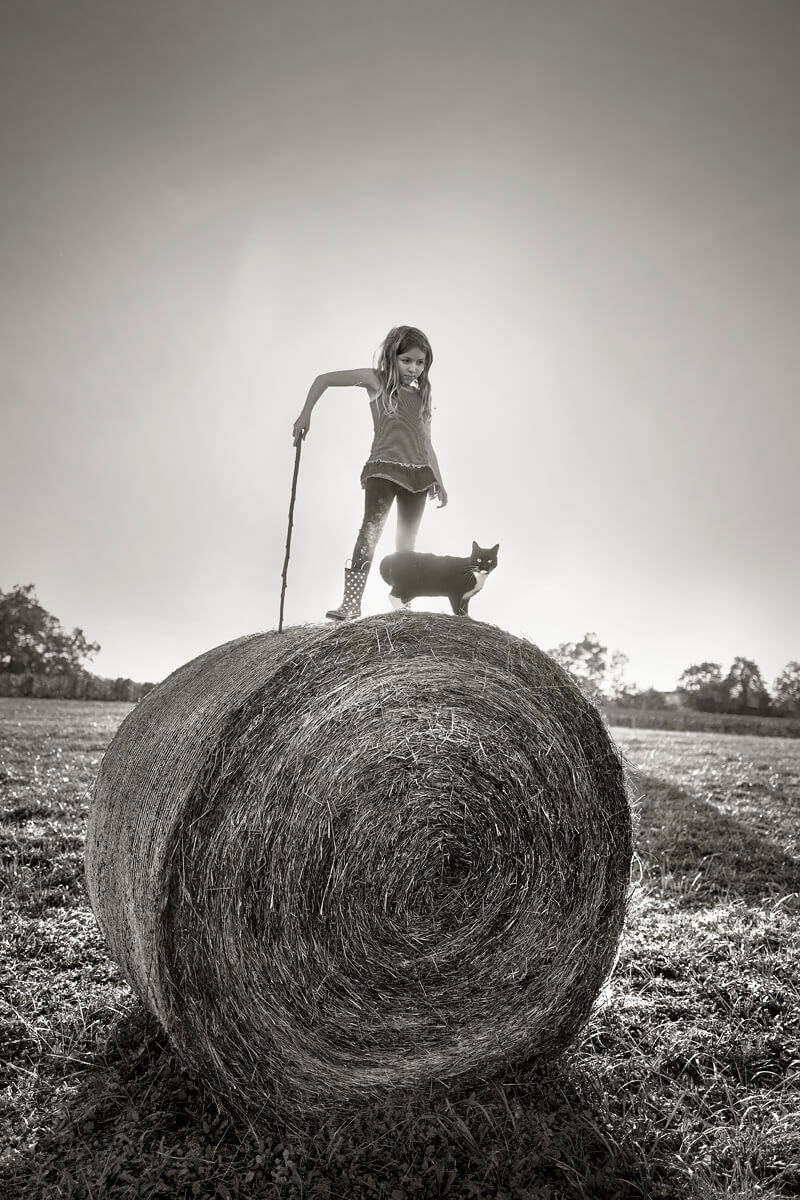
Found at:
<point>350,608</point>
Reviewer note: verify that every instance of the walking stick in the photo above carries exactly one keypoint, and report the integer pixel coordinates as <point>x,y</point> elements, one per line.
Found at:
<point>289,530</point>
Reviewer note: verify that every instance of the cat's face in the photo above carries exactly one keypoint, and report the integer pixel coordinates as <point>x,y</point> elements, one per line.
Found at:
<point>483,560</point>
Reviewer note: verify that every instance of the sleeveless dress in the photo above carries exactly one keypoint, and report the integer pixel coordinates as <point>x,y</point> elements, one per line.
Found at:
<point>399,450</point>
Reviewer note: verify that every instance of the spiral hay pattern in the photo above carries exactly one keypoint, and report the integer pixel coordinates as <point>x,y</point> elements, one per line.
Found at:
<point>342,863</point>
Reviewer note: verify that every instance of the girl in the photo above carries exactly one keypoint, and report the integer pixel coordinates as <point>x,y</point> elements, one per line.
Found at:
<point>402,463</point>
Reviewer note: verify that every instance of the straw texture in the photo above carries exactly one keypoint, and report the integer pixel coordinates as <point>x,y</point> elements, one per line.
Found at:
<point>342,863</point>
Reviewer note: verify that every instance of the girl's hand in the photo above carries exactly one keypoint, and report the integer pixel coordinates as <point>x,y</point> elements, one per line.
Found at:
<point>301,427</point>
<point>440,494</point>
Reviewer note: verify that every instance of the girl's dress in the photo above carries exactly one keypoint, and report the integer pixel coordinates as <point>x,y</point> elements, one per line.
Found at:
<point>399,451</point>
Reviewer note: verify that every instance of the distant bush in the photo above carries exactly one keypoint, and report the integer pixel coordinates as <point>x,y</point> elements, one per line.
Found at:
<point>73,685</point>
<point>649,699</point>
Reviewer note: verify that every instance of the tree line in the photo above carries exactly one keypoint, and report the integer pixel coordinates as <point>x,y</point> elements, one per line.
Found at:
<point>39,658</point>
<point>704,687</point>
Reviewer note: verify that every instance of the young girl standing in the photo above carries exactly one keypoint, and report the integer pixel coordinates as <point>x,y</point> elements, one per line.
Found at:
<point>402,463</point>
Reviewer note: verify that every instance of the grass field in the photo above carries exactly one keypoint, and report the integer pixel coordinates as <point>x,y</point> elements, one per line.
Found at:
<point>686,1083</point>
<point>687,720</point>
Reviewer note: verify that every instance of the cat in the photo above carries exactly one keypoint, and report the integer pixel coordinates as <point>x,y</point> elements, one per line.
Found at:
<point>412,574</point>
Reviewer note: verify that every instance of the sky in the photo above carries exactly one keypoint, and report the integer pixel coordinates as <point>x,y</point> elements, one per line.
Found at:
<point>591,207</point>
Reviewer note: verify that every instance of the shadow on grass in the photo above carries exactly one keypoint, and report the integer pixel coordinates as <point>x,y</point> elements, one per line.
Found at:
<point>699,854</point>
<point>136,1125</point>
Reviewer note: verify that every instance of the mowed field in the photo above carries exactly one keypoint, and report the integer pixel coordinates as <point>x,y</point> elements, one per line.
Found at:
<point>686,1082</point>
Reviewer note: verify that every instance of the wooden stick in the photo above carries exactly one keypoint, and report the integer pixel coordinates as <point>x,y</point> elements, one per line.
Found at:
<point>289,530</point>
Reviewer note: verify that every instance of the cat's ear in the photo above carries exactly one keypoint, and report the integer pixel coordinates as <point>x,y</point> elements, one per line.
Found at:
<point>496,548</point>
<point>475,547</point>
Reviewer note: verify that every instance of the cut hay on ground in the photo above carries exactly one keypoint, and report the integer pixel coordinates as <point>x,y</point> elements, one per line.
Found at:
<point>343,862</point>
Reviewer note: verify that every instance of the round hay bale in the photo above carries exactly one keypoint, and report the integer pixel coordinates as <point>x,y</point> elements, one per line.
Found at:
<point>344,862</point>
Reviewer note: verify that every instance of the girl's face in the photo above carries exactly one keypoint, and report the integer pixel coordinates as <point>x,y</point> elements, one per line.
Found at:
<point>411,364</point>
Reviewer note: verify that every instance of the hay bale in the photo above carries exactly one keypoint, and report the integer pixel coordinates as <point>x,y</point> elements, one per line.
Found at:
<point>343,862</point>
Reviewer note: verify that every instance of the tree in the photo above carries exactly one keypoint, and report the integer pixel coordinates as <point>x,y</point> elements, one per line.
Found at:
<point>787,688</point>
<point>586,662</point>
<point>616,685</point>
<point>33,640</point>
<point>745,686</point>
<point>702,687</point>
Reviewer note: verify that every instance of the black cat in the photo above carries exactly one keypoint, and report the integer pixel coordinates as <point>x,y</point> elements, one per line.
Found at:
<point>411,574</point>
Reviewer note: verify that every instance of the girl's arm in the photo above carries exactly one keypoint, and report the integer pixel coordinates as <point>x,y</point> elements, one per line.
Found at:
<point>440,490</point>
<point>365,377</point>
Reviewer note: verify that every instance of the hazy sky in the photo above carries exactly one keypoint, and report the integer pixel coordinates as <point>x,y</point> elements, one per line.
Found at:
<point>592,207</point>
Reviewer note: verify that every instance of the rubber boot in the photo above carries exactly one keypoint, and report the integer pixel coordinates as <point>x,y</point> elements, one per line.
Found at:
<point>350,608</point>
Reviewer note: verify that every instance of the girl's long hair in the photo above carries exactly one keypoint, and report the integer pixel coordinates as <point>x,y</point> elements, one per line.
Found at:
<point>397,341</point>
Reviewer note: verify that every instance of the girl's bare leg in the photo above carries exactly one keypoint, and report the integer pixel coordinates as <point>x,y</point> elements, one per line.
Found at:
<point>410,511</point>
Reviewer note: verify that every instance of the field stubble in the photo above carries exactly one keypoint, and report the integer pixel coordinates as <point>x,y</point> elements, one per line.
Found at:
<point>684,1084</point>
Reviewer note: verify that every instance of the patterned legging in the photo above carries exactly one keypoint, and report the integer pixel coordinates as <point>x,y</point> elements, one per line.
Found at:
<point>378,497</point>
